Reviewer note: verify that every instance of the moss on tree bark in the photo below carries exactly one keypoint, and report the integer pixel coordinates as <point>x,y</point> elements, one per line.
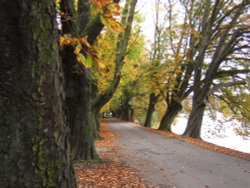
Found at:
<point>34,140</point>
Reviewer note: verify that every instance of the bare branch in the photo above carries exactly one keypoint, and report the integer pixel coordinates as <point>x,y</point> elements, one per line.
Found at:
<point>221,74</point>
<point>223,85</point>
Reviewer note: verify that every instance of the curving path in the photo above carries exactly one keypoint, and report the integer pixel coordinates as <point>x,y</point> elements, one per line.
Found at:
<point>167,162</point>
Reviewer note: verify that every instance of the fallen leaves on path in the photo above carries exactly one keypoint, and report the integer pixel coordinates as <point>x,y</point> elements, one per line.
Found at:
<point>112,173</point>
<point>201,143</point>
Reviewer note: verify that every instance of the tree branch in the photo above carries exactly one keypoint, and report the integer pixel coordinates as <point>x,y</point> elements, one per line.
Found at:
<point>100,100</point>
<point>94,27</point>
<point>228,102</point>
<point>221,74</point>
<point>223,85</point>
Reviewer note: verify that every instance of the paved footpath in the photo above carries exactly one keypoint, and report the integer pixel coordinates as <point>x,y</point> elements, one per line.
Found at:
<point>172,163</point>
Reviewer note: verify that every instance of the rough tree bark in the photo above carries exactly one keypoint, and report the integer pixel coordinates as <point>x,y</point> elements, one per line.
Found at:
<point>34,137</point>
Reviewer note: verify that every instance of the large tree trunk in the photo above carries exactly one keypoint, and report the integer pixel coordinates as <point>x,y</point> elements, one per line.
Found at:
<point>172,111</point>
<point>34,140</point>
<point>80,115</point>
<point>78,95</point>
<point>195,119</point>
<point>151,107</point>
<point>78,105</point>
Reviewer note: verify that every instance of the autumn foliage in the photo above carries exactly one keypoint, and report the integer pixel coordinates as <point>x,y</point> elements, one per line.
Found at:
<point>109,11</point>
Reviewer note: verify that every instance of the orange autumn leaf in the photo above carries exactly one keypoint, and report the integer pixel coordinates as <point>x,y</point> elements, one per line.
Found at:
<point>98,5</point>
<point>108,11</point>
<point>105,1</point>
<point>84,41</point>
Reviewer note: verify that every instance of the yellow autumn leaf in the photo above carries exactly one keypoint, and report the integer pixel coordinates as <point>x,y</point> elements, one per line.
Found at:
<point>61,40</point>
<point>78,48</point>
<point>103,20</point>
<point>114,7</point>
<point>80,58</point>
<point>101,65</point>
<point>112,23</point>
<point>89,62</point>
<point>66,41</point>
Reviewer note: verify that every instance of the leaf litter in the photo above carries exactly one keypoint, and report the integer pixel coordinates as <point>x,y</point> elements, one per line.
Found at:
<point>112,172</point>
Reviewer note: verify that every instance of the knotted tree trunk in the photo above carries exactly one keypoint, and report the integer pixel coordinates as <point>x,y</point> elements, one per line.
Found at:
<point>172,111</point>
